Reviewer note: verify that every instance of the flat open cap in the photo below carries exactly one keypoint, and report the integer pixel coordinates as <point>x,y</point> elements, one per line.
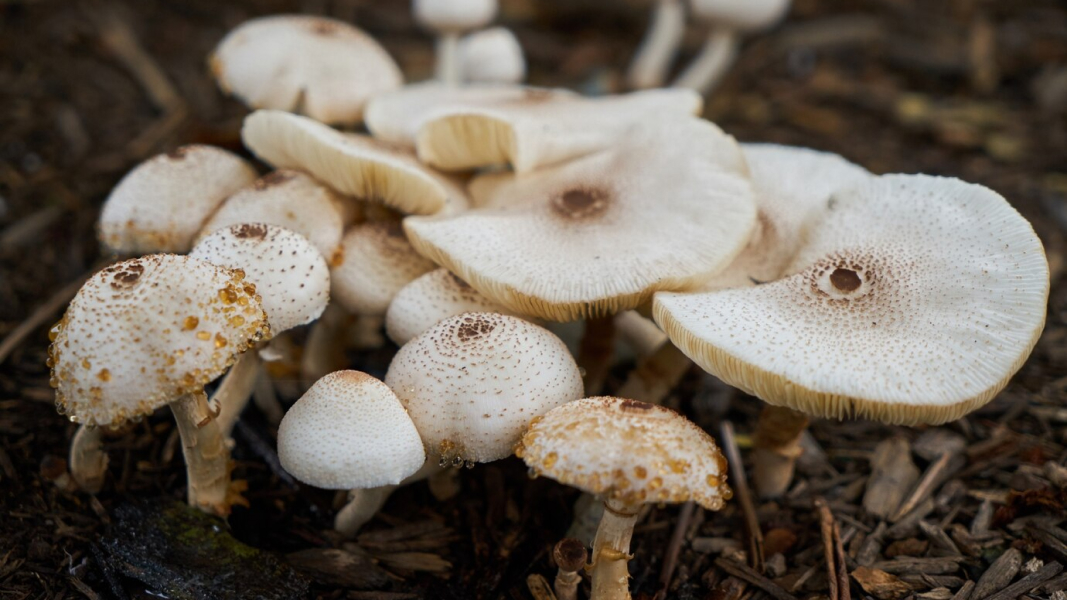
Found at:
<point>914,301</point>
<point>357,165</point>
<point>667,208</point>
<point>324,68</point>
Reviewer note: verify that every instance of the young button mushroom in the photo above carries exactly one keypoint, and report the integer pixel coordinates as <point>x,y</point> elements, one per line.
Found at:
<point>630,453</point>
<point>150,332</point>
<point>450,18</point>
<point>474,381</point>
<point>349,431</point>
<point>162,203</point>
<point>492,56</point>
<point>914,300</point>
<point>324,68</point>
<point>429,299</point>
<point>652,61</point>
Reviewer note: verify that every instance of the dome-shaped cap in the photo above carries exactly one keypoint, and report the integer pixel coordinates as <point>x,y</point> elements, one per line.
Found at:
<point>289,274</point>
<point>541,129</point>
<point>288,199</point>
<point>141,333</point>
<point>667,208</point>
<point>492,56</point>
<point>375,262</point>
<point>454,15</point>
<point>914,301</point>
<point>349,431</point>
<point>741,15</point>
<point>430,299</point>
<point>628,451</point>
<point>162,203</point>
<point>792,186</point>
<point>356,165</point>
<point>324,68</point>
<point>473,382</point>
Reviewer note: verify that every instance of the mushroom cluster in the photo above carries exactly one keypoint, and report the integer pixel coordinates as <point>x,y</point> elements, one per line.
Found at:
<point>471,220</point>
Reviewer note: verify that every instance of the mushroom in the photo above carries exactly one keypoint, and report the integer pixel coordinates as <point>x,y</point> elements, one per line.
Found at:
<point>349,431</point>
<point>652,60</point>
<point>570,556</point>
<point>448,19</point>
<point>913,300</point>
<point>473,382</point>
<point>429,299</point>
<point>162,203</point>
<point>150,332</point>
<point>321,67</point>
<point>541,128</point>
<point>726,19</point>
<point>492,56</point>
<point>356,165</point>
<point>630,453</point>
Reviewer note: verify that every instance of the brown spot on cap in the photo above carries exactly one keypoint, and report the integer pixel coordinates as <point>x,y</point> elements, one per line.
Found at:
<point>272,179</point>
<point>845,280</point>
<point>473,328</point>
<point>126,275</point>
<point>250,231</point>
<point>581,203</point>
<point>570,555</point>
<point>634,405</point>
<point>324,27</point>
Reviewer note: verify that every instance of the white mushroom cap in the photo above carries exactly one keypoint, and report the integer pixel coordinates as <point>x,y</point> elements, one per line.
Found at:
<point>430,299</point>
<point>289,274</point>
<point>349,431</point>
<point>162,203</point>
<point>454,15</point>
<point>542,128</point>
<point>492,56</point>
<point>914,301</point>
<point>142,333</point>
<point>473,382</point>
<point>324,68</point>
<point>792,186</point>
<point>356,165</point>
<point>588,237</point>
<point>741,15</point>
<point>288,199</point>
<point>375,262</point>
<point>628,451</point>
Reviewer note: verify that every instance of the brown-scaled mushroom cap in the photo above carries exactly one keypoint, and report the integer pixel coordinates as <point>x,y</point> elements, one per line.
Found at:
<point>375,262</point>
<point>667,208</point>
<point>914,301</point>
<point>628,451</point>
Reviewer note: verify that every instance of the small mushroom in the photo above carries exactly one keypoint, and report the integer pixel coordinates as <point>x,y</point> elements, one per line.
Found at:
<point>653,58</point>
<point>570,556</point>
<point>492,56</point>
<point>630,453</point>
<point>324,68</point>
<point>474,381</point>
<point>162,203</point>
<point>429,299</point>
<point>448,19</point>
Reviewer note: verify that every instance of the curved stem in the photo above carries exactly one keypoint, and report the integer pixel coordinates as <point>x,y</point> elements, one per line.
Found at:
<point>448,58</point>
<point>708,68</point>
<point>232,395</point>
<point>652,61</point>
<point>88,460</point>
<point>207,457</point>
<point>361,508</point>
<point>611,551</point>
<point>777,447</point>
<point>325,345</point>
<point>642,335</point>
<point>366,332</point>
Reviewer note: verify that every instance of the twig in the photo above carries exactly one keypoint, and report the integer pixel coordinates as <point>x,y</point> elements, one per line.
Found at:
<point>42,315</point>
<point>746,573</point>
<point>826,529</point>
<point>1027,583</point>
<point>670,561</point>
<point>936,474</point>
<point>744,496</point>
<point>843,591</point>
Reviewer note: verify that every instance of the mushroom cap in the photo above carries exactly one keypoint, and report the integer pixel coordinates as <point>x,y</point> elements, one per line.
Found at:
<point>356,165</point>
<point>288,199</point>
<point>142,333</point>
<point>454,15</point>
<point>492,56</point>
<point>429,299</point>
<point>163,202</point>
<point>349,431</point>
<point>289,274</point>
<point>541,128</point>
<point>473,382</point>
<point>586,238</point>
<point>375,262</point>
<point>628,451</point>
<point>321,67</point>
<point>792,186</point>
<point>741,15</point>
<point>913,301</point>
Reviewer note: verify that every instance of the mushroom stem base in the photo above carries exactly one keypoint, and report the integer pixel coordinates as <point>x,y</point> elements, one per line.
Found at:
<point>610,575</point>
<point>361,508</point>
<point>88,460</point>
<point>207,457</point>
<point>777,447</point>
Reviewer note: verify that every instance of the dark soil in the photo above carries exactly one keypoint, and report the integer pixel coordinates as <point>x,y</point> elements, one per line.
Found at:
<point>970,88</point>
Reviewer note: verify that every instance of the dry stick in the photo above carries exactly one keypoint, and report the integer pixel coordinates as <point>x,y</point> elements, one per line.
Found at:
<point>936,474</point>
<point>844,593</point>
<point>826,529</point>
<point>42,315</point>
<point>964,592</point>
<point>744,572</point>
<point>1027,583</point>
<point>744,497</point>
<point>670,561</point>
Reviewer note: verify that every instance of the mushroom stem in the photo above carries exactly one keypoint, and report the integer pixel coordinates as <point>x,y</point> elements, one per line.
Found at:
<point>611,549</point>
<point>656,375</point>
<point>361,508</point>
<point>708,68</point>
<point>640,334</point>
<point>266,399</point>
<point>366,332</point>
<point>653,58</point>
<point>570,555</point>
<point>88,460</point>
<point>233,393</point>
<point>324,346</point>
<point>595,352</point>
<point>448,58</point>
<point>777,447</point>
<point>207,457</point>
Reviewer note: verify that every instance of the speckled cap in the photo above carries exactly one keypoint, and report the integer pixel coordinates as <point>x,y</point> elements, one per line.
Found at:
<point>473,382</point>
<point>142,333</point>
<point>349,431</point>
<point>375,262</point>
<point>430,299</point>
<point>628,451</point>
